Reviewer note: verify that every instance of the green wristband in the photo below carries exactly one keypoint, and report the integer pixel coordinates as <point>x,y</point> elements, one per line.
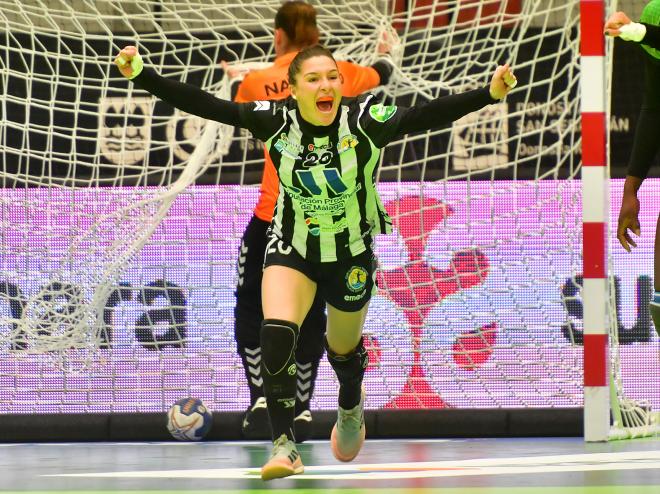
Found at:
<point>136,64</point>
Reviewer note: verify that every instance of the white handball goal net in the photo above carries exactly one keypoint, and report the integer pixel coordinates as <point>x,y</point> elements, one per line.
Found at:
<point>122,217</point>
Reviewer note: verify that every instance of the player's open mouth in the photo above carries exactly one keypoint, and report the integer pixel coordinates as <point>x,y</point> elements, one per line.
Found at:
<point>324,104</point>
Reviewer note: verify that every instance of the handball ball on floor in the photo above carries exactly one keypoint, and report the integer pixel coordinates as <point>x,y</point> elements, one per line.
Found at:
<point>189,420</point>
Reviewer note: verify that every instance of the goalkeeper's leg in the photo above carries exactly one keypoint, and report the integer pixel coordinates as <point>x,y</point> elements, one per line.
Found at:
<point>308,357</point>
<point>654,306</point>
<point>247,325</point>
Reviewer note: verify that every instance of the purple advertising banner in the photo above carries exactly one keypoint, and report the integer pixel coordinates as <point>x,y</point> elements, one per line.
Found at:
<point>479,301</point>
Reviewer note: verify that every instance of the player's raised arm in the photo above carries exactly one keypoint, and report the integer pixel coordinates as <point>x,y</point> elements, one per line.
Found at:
<point>438,112</point>
<point>183,96</point>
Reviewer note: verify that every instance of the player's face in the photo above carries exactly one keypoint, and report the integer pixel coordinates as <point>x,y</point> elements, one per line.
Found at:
<point>318,90</point>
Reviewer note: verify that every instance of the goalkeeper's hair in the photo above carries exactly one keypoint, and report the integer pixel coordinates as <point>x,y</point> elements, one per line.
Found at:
<point>298,20</point>
<point>304,54</point>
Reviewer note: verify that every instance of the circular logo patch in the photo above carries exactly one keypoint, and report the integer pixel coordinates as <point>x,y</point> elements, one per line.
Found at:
<point>356,278</point>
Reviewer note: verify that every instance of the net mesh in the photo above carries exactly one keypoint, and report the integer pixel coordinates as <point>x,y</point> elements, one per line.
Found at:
<point>122,218</point>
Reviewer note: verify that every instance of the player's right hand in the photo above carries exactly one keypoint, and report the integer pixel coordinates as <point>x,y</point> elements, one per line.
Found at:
<point>123,60</point>
<point>628,220</point>
<point>615,21</point>
<point>502,82</point>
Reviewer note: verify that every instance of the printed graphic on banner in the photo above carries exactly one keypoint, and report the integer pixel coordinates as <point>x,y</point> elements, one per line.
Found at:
<point>183,134</point>
<point>125,129</point>
<point>479,301</point>
<point>480,139</point>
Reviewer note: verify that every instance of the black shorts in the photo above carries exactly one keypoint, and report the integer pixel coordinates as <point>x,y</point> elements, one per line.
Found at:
<point>247,311</point>
<point>346,285</point>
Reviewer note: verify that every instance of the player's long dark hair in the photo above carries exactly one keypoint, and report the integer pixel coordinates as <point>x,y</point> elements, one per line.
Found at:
<point>298,20</point>
<point>304,54</point>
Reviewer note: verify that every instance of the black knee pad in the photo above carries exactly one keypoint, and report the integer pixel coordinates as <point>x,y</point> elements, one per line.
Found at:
<point>349,367</point>
<point>278,346</point>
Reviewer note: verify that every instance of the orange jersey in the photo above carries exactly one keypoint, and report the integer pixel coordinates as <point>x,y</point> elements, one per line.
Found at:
<point>272,83</point>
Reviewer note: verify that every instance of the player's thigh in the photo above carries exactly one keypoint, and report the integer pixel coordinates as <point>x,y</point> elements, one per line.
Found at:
<point>316,320</point>
<point>347,287</point>
<point>312,332</point>
<point>288,287</point>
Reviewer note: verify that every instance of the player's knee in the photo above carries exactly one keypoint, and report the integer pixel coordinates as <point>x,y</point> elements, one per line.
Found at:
<point>278,346</point>
<point>351,365</point>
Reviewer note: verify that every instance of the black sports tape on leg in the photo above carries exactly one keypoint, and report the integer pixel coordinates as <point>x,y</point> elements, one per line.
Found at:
<point>350,370</point>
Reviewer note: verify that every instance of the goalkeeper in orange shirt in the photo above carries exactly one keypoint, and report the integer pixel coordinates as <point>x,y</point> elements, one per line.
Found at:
<point>295,28</point>
<point>646,143</point>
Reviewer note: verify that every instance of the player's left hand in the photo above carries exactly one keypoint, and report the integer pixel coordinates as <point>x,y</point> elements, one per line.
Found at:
<point>614,23</point>
<point>503,82</point>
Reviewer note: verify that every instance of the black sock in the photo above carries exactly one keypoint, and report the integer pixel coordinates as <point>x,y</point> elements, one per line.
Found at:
<point>278,344</point>
<point>350,372</point>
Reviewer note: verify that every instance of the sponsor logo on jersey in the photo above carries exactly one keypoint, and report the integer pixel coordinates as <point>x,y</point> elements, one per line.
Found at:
<point>355,298</point>
<point>381,113</point>
<point>319,147</point>
<point>315,229</point>
<point>356,278</point>
<point>347,142</point>
<point>287,148</point>
<point>312,224</point>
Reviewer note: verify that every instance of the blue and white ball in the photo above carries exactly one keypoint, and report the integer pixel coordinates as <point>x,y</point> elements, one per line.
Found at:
<point>189,419</point>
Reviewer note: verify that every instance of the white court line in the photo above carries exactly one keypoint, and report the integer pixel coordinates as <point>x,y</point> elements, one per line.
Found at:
<point>629,460</point>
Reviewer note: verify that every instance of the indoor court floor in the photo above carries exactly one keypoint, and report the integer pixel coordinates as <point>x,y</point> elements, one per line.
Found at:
<point>456,466</point>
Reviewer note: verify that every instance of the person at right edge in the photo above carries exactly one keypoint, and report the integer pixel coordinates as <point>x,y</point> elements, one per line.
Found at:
<point>647,133</point>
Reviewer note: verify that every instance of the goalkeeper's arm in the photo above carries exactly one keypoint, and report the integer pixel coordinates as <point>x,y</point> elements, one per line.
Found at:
<point>619,24</point>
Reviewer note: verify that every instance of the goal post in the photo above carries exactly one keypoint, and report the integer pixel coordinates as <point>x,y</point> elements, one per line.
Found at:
<point>121,218</point>
<point>595,212</point>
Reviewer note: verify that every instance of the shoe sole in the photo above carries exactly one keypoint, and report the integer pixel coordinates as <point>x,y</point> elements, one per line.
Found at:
<point>335,449</point>
<point>278,469</point>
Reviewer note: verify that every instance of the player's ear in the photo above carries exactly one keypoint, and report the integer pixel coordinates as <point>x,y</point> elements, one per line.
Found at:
<point>292,89</point>
<point>278,36</point>
<point>341,77</point>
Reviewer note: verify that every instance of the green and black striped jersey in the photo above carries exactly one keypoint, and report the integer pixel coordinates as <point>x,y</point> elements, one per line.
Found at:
<point>328,208</point>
